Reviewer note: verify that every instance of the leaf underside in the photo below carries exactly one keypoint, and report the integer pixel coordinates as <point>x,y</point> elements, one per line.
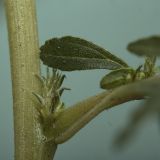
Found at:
<point>71,53</point>
<point>146,46</point>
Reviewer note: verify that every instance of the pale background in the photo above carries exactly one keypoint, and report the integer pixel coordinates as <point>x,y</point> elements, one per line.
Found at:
<point>111,24</point>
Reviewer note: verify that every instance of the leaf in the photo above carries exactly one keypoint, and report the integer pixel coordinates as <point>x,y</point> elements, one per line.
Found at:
<point>71,53</point>
<point>102,52</point>
<point>117,78</point>
<point>146,46</point>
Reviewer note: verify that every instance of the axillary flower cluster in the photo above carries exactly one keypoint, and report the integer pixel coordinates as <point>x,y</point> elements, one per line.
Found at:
<point>50,104</point>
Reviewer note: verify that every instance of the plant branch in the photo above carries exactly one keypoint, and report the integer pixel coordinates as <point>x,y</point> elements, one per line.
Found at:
<point>71,114</point>
<point>120,95</point>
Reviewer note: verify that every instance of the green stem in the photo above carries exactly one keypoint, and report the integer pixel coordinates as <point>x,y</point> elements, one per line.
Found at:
<point>24,58</point>
<point>78,116</point>
<point>48,150</point>
<point>70,115</point>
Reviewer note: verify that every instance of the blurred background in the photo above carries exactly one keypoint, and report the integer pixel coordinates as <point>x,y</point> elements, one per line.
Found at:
<point>111,24</point>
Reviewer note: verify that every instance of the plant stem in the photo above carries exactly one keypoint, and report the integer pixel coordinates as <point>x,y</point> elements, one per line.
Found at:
<point>72,114</point>
<point>77,116</point>
<point>105,103</point>
<point>48,150</point>
<point>24,59</point>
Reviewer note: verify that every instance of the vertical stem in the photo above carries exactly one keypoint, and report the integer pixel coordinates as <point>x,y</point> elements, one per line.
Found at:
<point>48,150</point>
<point>24,59</point>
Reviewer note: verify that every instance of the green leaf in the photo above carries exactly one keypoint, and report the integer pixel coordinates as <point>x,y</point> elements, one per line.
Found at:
<point>146,46</point>
<point>71,53</point>
<point>117,78</point>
